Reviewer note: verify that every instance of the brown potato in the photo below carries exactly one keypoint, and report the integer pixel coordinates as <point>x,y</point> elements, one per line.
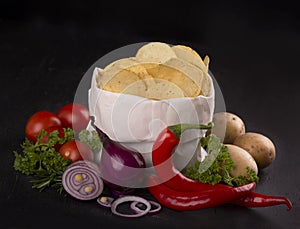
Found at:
<point>242,159</point>
<point>227,126</point>
<point>259,146</point>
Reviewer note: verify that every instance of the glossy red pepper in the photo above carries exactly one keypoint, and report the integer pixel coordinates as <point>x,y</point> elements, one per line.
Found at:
<point>162,152</point>
<point>255,199</point>
<point>183,201</point>
<point>162,161</point>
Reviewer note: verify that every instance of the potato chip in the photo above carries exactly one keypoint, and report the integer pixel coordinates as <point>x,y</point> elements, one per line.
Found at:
<point>156,52</point>
<point>164,89</point>
<point>189,55</point>
<point>206,61</point>
<point>141,70</point>
<point>206,82</point>
<point>119,82</point>
<point>112,69</point>
<point>205,88</point>
<point>173,75</point>
<point>158,72</point>
<point>121,63</point>
<point>187,68</point>
<point>138,88</point>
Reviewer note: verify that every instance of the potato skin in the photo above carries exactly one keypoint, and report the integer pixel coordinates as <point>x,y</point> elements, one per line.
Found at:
<point>242,159</point>
<point>259,146</point>
<point>227,126</point>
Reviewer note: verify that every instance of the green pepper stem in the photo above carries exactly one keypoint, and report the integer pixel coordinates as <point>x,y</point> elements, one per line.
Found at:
<point>178,129</point>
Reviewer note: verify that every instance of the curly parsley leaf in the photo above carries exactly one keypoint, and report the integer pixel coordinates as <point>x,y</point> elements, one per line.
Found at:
<point>41,161</point>
<point>251,176</point>
<point>91,138</point>
<point>217,165</point>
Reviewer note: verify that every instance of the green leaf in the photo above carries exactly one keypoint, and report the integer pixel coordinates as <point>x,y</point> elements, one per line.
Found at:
<point>213,147</point>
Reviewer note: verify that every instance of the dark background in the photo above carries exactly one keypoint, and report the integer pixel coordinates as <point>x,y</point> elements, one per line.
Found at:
<point>47,46</point>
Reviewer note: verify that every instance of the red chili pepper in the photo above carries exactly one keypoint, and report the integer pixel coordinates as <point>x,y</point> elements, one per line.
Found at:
<point>183,201</point>
<point>162,152</point>
<point>255,199</point>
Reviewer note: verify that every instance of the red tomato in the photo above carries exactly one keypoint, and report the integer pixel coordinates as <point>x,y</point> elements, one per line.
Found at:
<point>75,151</point>
<point>49,130</point>
<point>38,121</point>
<point>75,116</point>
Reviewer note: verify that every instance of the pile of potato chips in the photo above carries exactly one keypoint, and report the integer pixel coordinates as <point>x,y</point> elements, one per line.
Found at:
<point>158,71</point>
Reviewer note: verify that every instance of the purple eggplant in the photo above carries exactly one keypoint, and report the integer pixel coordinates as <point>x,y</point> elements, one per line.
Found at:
<point>122,170</point>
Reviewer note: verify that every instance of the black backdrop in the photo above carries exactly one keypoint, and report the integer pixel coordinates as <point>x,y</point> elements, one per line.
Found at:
<point>46,47</point>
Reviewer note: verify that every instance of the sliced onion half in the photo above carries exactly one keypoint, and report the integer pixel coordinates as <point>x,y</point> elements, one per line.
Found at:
<point>82,182</point>
<point>155,207</point>
<point>123,199</point>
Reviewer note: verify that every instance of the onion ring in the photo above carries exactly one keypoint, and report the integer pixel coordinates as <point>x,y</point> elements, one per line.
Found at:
<point>82,182</point>
<point>155,210</point>
<point>105,201</point>
<point>123,199</point>
<point>84,163</point>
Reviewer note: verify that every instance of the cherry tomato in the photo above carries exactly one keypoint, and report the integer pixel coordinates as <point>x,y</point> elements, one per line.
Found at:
<point>61,134</point>
<point>75,116</point>
<point>75,151</point>
<point>38,121</point>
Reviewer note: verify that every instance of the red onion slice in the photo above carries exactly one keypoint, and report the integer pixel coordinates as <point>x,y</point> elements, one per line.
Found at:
<point>82,182</point>
<point>84,163</point>
<point>156,209</point>
<point>124,199</point>
<point>105,201</point>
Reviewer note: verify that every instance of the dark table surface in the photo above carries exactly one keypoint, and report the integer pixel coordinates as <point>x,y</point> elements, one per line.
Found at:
<point>45,49</point>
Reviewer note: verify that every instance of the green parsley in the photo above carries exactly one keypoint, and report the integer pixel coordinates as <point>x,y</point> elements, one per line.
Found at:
<point>91,138</point>
<point>41,161</point>
<point>217,165</point>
